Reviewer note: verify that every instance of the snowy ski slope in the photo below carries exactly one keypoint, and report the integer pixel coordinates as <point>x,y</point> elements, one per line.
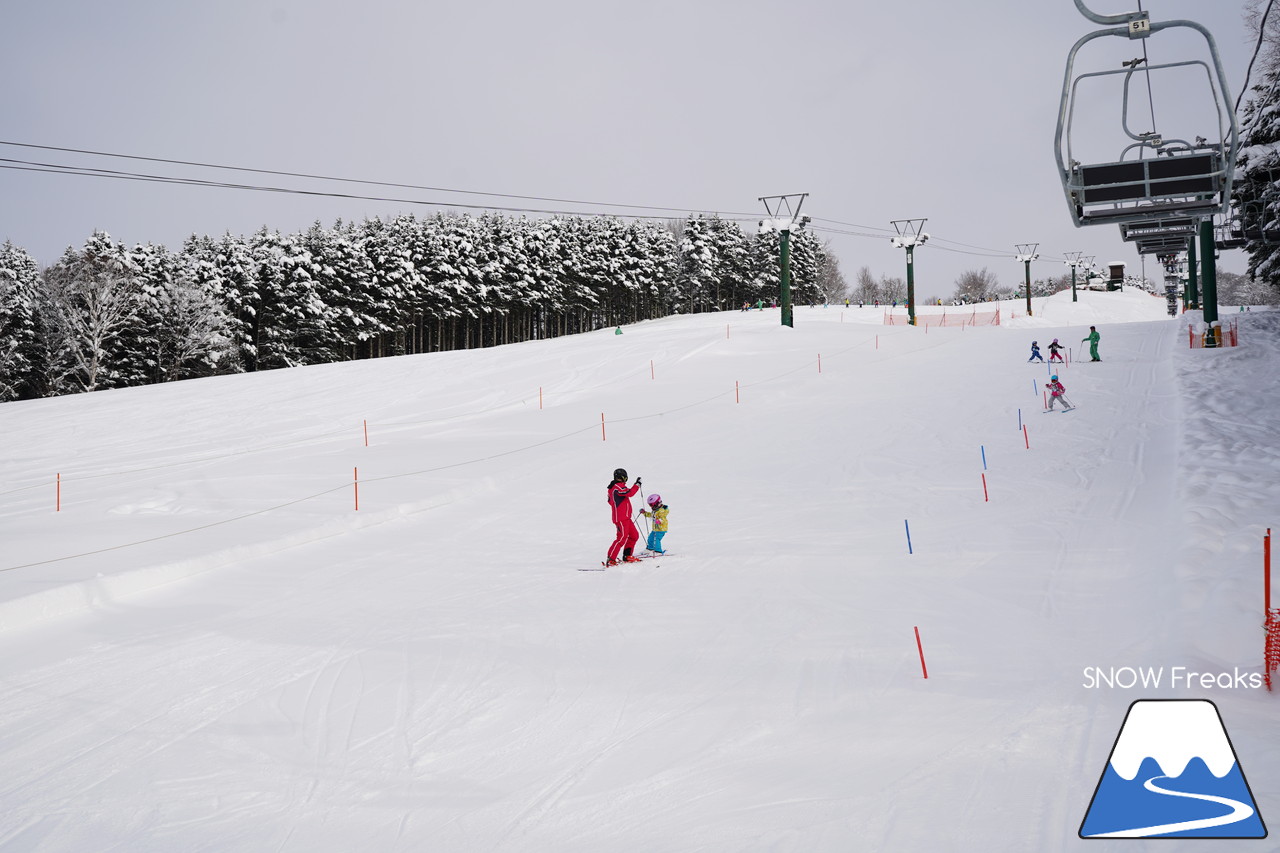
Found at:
<point>209,648</point>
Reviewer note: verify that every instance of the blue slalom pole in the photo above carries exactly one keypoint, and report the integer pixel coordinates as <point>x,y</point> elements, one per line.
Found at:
<point>908,526</point>
<point>1019,420</point>
<point>984,457</point>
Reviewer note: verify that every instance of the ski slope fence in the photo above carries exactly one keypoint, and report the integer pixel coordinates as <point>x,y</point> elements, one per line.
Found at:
<point>970,317</point>
<point>1218,335</point>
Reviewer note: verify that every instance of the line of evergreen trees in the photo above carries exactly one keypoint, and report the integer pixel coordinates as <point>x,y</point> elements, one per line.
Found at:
<point>106,316</point>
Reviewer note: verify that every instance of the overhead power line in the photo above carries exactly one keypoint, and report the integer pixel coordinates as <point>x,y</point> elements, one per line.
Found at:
<point>336,179</point>
<point>13,164</point>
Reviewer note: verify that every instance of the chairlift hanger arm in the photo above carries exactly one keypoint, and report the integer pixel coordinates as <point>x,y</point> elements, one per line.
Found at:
<point>1123,18</point>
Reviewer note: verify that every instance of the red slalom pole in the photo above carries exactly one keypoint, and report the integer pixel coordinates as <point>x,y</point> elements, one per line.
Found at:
<point>920,648</point>
<point>1026,437</point>
<point>985,498</point>
<point>539,396</point>
<point>651,373</point>
<point>737,398</point>
<point>1266,564</point>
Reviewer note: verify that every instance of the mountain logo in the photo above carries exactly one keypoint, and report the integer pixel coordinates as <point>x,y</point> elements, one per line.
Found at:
<point>1172,773</point>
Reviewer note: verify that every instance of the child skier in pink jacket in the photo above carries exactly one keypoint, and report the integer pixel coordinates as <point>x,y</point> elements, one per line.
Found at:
<point>1057,391</point>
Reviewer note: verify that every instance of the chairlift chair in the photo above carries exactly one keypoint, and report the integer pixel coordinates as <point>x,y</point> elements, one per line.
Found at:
<point>1180,178</point>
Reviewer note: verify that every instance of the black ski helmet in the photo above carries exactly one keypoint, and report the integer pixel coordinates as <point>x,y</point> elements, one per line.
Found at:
<point>620,475</point>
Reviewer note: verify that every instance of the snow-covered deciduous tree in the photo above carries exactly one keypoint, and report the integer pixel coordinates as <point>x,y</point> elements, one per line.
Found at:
<point>91,301</point>
<point>831,282</point>
<point>976,285</point>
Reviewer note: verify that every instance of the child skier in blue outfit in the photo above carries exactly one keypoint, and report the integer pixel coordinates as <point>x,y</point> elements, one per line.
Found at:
<point>1035,353</point>
<point>658,511</point>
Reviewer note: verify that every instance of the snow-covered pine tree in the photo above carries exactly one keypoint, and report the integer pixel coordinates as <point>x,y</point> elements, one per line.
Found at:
<point>733,263</point>
<point>21,356</point>
<point>766,269</point>
<point>1256,190</point>
<point>292,315</point>
<point>698,274</point>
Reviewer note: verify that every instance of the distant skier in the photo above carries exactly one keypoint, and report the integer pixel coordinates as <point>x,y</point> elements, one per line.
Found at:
<point>1057,391</point>
<point>1093,339</point>
<point>1055,351</point>
<point>1035,353</point>
<point>620,504</point>
<point>659,515</point>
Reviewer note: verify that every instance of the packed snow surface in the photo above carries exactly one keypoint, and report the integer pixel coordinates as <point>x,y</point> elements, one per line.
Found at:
<point>207,646</point>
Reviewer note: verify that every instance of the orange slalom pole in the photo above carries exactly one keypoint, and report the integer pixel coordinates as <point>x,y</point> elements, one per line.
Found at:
<point>920,648</point>
<point>366,433</point>
<point>602,436</point>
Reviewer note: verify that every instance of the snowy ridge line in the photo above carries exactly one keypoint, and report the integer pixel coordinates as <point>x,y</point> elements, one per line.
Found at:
<point>66,599</point>
<point>388,477</point>
<point>72,478</point>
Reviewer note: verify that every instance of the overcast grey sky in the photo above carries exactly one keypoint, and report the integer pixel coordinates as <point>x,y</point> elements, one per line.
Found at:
<point>881,111</point>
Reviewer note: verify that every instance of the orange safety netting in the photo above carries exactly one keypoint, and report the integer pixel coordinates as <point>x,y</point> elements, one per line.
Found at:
<point>1223,336</point>
<point>956,317</point>
<point>1273,644</point>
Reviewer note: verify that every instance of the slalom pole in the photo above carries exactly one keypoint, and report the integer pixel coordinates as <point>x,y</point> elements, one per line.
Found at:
<point>908,526</point>
<point>366,433</point>
<point>985,497</point>
<point>984,456</point>
<point>920,648</point>
<point>58,504</point>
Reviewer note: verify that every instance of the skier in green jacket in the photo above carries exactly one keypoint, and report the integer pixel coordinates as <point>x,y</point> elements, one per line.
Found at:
<point>1093,343</point>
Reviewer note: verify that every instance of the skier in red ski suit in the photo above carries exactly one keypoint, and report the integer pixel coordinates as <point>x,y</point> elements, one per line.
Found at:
<point>620,504</point>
